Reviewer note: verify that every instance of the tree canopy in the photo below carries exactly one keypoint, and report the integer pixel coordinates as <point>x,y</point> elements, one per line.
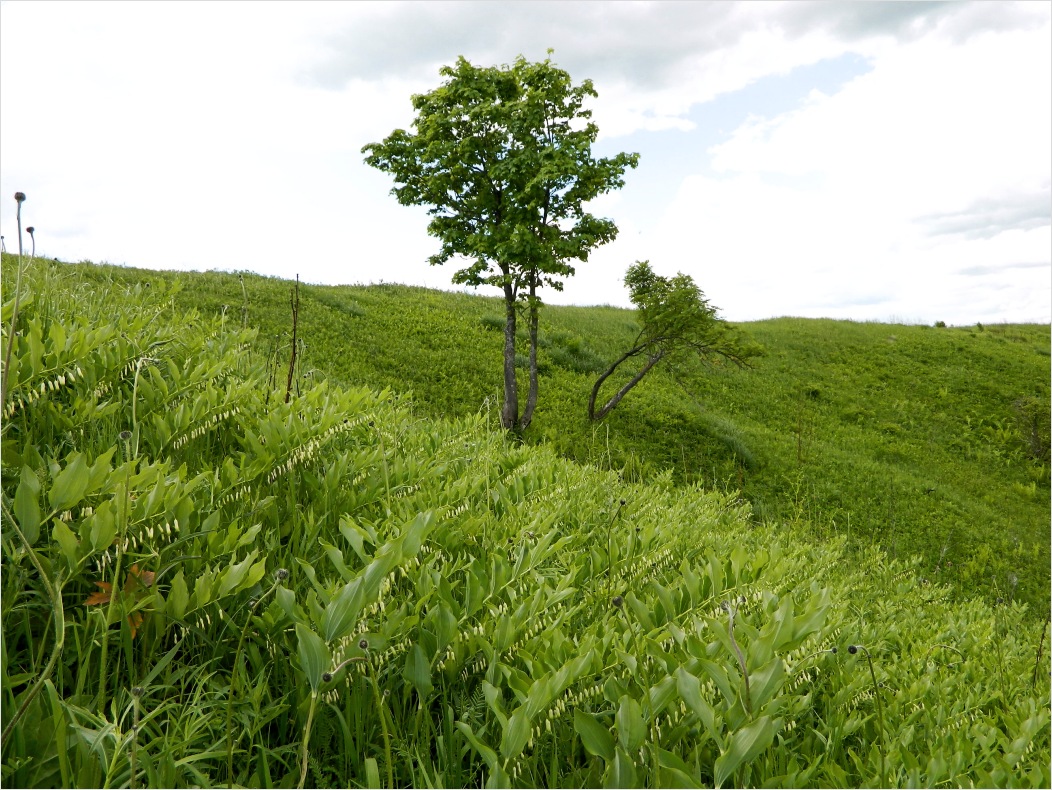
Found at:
<point>502,155</point>
<point>676,319</point>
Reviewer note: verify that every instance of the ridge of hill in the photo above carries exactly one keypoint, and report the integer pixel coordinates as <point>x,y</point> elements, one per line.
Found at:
<point>208,580</point>
<point>925,441</point>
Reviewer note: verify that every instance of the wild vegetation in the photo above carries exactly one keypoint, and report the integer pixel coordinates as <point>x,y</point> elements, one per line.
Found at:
<point>206,585</point>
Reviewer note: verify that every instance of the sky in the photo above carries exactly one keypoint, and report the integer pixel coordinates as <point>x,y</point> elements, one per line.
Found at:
<point>887,161</point>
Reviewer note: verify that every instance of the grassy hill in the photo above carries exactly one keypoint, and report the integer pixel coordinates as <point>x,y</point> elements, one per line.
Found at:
<point>922,441</point>
<point>205,584</point>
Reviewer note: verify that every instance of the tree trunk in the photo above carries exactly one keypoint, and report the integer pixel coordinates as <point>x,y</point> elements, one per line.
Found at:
<point>610,404</point>
<point>509,415</point>
<point>531,398</point>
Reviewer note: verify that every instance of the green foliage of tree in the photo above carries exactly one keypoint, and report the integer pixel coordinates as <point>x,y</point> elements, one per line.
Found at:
<point>502,155</point>
<point>676,320</point>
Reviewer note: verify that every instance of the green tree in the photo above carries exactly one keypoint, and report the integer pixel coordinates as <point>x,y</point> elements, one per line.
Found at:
<point>502,155</point>
<point>676,321</point>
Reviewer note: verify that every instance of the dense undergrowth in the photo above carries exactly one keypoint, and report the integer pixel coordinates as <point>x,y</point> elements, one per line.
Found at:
<point>205,585</point>
<point>923,441</point>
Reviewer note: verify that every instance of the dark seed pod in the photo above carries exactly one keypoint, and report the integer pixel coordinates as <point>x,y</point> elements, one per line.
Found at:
<point>618,601</point>
<point>326,677</point>
<point>363,644</point>
<point>852,649</point>
<point>281,574</point>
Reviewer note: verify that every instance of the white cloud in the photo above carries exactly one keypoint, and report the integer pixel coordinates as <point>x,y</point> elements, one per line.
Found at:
<point>936,130</point>
<point>228,135</point>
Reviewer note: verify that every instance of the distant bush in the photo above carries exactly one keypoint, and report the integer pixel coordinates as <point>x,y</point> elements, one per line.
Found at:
<point>580,361</point>
<point>494,322</point>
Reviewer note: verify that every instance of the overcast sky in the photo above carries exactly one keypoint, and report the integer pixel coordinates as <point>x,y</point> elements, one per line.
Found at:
<point>887,161</point>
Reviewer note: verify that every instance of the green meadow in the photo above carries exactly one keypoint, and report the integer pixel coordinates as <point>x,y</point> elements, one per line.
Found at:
<point>830,569</point>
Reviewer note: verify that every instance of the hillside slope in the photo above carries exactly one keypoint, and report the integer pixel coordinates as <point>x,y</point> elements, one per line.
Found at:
<point>923,441</point>
<point>205,584</point>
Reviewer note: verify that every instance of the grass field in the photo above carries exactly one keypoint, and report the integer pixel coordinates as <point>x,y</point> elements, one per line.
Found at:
<point>828,571</point>
<point>912,438</point>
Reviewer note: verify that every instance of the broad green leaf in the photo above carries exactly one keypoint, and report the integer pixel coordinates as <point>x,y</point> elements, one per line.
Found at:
<point>745,746</point>
<point>487,754</point>
<point>783,624</point>
<point>69,485</point>
<point>631,730</point>
<point>255,573</point>
<point>103,526</point>
<point>675,772</point>
<point>445,623</point>
<point>27,505</point>
<point>372,774</point>
<point>356,536</point>
<point>314,655</point>
<point>661,695</point>
<point>235,574</point>
<point>178,597</point>
<point>812,618</point>
<point>595,737</point>
<point>721,679</point>
<point>418,671</point>
<point>690,690</point>
<point>336,558</point>
<point>343,610</point>
<point>67,542</point>
<point>249,536</point>
<point>766,682</point>
<point>621,772</point>
<point>286,599</point>
<point>203,587</point>
<point>516,735</point>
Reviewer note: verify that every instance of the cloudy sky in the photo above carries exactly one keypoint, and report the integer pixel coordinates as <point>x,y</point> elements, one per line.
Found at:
<point>886,161</point>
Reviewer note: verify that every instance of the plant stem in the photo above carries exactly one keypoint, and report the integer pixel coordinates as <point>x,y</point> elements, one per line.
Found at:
<point>880,712</point>
<point>306,739</point>
<point>55,594</point>
<point>377,698</point>
<point>1040,646</point>
<point>11,334</point>
<point>233,687</point>
<point>738,654</point>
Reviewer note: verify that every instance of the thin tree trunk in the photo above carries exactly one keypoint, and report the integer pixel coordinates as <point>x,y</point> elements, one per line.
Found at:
<point>610,404</point>
<point>609,372</point>
<point>509,415</point>
<point>531,398</point>
<point>294,300</point>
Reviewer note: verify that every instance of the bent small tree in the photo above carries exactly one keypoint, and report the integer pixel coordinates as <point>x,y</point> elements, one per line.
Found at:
<point>502,155</point>
<point>676,320</point>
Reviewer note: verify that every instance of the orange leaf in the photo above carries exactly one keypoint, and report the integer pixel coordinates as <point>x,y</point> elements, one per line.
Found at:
<point>97,598</point>
<point>134,621</point>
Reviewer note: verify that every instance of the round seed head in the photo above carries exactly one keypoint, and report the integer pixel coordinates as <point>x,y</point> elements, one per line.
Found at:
<point>833,650</point>
<point>363,644</point>
<point>281,574</point>
<point>20,196</point>
<point>124,435</point>
<point>622,501</point>
<point>30,230</point>
<point>326,677</point>
<point>852,649</point>
<point>618,601</point>
<point>136,691</point>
